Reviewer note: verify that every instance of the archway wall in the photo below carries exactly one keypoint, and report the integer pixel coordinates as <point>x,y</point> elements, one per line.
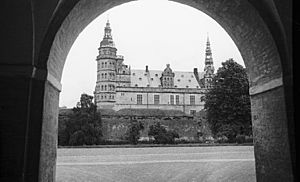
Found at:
<point>41,33</point>
<point>261,56</point>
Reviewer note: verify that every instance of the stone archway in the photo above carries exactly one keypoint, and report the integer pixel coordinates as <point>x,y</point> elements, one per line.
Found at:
<point>256,28</point>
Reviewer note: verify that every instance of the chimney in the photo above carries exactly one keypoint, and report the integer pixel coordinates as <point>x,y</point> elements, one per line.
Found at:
<point>196,71</point>
<point>147,68</point>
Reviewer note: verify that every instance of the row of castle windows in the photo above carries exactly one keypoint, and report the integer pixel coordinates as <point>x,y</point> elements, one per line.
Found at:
<point>107,64</point>
<point>107,96</point>
<point>172,101</point>
<point>107,87</point>
<point>109,75</point>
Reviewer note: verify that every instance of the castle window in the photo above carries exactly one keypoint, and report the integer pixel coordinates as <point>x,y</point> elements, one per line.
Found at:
<point>139,99</point>
<point>156,99</point>
<point>105,87</point>
<point>175,86</point>
<point>192,100</point>
<point>178,80</point>
<point>101,96</point>
<point>156,74</point>
<point>101,87</point>
<point>189,80</point>
<point>145,74</point>
<point>172,99</point>
<point>151,78</point>
<point>140,78</point>
<point>136,85</point>
<point>123,72</point>
<point>102,64</point>
<point>177,99</point>
<point>193,112</point>
<point>105,75</point>
<point>148,85</point>
<point>105,64</point>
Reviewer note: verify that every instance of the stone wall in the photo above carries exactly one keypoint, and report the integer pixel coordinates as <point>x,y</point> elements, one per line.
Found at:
<point>114,128</point>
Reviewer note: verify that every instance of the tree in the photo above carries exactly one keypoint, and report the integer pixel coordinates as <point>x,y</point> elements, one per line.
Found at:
<point>161,134</point>
<point>133,133</point>
<point>83,126</point>
<point>228,103</point>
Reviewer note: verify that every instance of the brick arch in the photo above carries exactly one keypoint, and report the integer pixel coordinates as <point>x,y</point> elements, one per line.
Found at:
<point>256,29</point>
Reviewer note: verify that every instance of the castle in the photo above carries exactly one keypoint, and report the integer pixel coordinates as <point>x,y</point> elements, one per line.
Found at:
<point>120,87</point>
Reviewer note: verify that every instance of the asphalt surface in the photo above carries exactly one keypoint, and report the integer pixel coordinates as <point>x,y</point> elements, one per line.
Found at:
<point>182,164</point>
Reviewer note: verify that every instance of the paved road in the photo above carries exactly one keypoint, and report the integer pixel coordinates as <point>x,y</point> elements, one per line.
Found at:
<point>182,164</point>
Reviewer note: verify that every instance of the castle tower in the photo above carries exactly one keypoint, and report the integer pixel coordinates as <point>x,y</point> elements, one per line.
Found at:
<point>209,65</point>
<point>105,93</point>
<point>167,78</point>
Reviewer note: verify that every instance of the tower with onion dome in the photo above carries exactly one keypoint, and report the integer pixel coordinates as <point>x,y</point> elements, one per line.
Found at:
<point>110,71</point>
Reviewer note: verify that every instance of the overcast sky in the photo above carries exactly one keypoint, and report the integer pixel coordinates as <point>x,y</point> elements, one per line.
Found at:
<point>146,32</point>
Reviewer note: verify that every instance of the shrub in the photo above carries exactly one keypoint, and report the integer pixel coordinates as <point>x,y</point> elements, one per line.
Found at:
<point>133,133</point>
<point>162,135</point>
<point>240,139</point>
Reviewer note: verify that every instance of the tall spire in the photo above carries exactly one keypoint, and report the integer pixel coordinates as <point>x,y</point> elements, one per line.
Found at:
<point>107,39</point>
<point>209,67</point>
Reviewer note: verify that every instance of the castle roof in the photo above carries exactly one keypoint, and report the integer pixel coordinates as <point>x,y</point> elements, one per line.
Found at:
<point>182,79</point>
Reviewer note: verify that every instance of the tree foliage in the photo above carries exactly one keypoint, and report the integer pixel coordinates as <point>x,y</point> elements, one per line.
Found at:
<point>228,102</point>
<point>161,134</point>
<point>83,126</point>
<point>133,133</point>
